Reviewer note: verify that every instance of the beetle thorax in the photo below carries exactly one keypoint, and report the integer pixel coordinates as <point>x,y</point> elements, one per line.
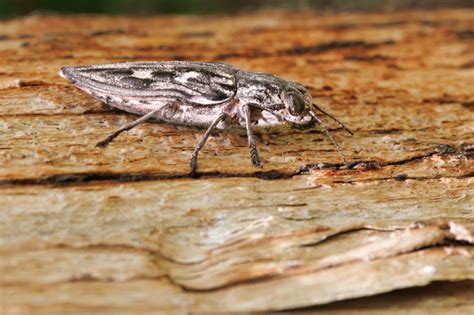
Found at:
<point>264,90</point>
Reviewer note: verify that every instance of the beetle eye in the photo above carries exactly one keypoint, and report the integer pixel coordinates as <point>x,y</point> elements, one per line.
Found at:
<point>296,105</point>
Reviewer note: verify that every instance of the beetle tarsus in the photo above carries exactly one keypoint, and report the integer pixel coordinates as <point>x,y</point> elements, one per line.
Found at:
<point>254,158</point>
<point>104,143</point>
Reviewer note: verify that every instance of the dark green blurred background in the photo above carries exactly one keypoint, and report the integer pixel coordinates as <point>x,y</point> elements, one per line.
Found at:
<point>11,8</point>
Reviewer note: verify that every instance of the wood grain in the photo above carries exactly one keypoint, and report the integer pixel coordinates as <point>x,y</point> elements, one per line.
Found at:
<point>84,229</point>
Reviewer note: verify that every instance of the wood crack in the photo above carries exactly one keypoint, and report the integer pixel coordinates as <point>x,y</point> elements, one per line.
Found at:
<point>84,178</point>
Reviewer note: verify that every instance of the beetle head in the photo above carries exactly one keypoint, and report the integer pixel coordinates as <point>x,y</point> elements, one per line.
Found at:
<point>297,110</point>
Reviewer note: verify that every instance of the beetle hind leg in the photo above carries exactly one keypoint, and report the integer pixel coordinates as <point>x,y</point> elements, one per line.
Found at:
<point>113,135</point>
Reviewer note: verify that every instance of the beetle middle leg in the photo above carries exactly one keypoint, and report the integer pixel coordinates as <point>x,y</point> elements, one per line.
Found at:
<point>113,135</point>
<point>200,144</point>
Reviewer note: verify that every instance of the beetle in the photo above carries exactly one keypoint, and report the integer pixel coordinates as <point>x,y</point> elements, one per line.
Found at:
<point>202,94</point>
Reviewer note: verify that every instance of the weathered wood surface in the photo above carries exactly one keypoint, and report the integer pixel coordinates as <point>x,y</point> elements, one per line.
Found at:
<point>89,229</point>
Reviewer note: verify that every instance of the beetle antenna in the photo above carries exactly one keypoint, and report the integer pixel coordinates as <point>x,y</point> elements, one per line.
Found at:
<point>333,118</point>
<point>329,136</point>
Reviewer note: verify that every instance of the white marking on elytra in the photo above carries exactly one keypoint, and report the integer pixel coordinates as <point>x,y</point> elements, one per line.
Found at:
<point>142,74</point>
<point>184,78</point>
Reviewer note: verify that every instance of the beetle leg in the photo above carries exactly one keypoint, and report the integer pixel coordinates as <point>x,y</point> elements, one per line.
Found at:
<point>201,143</point>
<point>113,135</point>
<point>253,147</point>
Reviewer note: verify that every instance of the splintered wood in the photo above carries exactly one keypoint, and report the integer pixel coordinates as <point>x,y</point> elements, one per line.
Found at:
<point>85,229</point>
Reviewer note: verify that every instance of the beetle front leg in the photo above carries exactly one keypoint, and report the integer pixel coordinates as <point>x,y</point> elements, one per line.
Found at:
<point>251,140</point>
